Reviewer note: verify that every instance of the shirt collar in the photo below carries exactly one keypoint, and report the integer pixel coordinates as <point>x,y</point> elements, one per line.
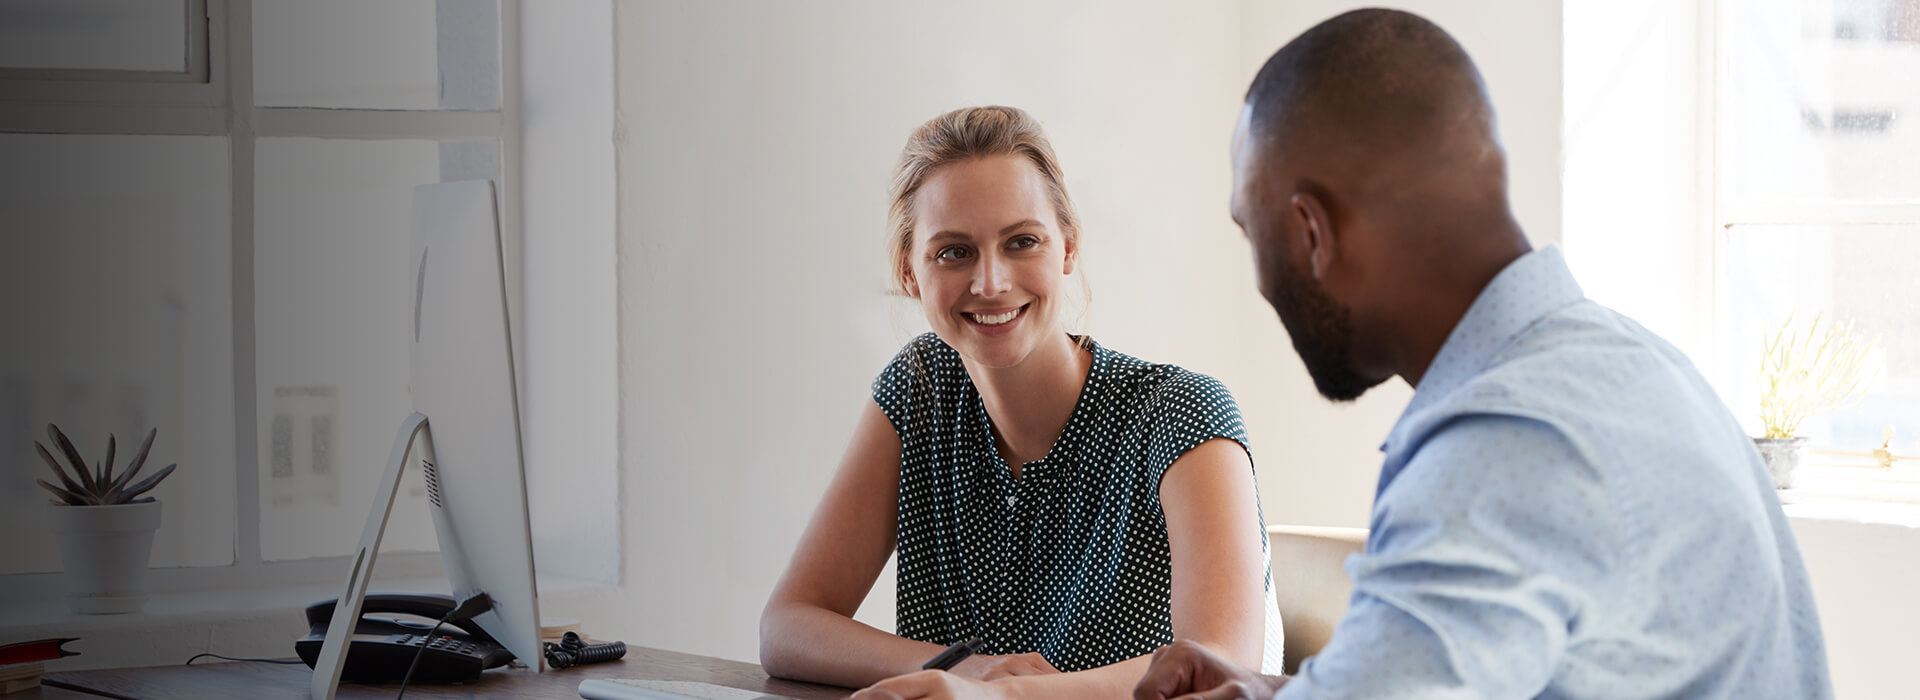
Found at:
<point>1068,441</point>
<point>1529,288</point>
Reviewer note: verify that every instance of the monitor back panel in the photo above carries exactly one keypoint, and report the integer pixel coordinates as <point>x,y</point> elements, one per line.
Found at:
<point>463,381</point>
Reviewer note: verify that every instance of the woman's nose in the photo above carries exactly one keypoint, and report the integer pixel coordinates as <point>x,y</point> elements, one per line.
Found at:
<point>990,276</point>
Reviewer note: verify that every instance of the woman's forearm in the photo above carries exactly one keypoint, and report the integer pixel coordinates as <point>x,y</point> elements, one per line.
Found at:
<point>813,644</point>
<point>1114,680</point>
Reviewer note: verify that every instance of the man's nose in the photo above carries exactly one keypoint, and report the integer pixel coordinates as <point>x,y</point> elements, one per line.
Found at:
<point>990,276</point>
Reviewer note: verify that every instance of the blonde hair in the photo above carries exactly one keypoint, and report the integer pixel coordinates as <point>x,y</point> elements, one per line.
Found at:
<point>961,135</point>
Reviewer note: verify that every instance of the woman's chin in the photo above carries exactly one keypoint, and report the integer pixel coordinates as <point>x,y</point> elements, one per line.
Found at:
<point>992,352</point>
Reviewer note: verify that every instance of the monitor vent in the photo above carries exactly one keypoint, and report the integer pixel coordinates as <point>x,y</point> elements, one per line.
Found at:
<point>432,474</point>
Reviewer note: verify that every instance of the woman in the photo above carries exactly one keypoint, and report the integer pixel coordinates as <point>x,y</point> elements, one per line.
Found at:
<point>1072,507</point>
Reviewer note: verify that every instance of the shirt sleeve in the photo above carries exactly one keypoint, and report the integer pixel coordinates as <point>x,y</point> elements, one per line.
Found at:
<point>908,372</point>
<point>1189,408</point>
<point>1482,556</point>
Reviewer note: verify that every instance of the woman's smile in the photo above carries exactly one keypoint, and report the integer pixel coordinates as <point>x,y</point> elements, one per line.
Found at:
<point>995,321</point>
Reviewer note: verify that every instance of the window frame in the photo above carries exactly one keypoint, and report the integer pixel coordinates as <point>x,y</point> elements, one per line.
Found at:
<point>1832,471</point>
<point>82,83</point>
<point>214,97</point>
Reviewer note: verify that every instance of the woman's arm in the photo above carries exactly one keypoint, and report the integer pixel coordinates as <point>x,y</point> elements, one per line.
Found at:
<point>1219,569</point>
<point>807,631</point>
<point>1218,598</point>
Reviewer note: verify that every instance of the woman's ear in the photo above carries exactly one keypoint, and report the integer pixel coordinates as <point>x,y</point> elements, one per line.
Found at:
<point>1073,254</point>
<point>908,281</point>
<point>1317,236</point>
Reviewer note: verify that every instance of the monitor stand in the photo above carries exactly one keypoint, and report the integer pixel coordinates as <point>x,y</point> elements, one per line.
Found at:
<point>333,653</point>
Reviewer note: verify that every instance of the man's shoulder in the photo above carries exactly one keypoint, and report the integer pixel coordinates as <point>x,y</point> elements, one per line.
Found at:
<point>1580,359</point>
<point>1585,372</point>
<point>1622,401</point>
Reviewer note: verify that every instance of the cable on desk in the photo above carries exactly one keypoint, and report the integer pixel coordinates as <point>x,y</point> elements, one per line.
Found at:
<point>197,657</point>
<point>479,603</point>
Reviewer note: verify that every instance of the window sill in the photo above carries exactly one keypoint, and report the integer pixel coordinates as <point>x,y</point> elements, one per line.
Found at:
<point>1813,505</point>
<point>1856,493</point>
<point>246,623</point>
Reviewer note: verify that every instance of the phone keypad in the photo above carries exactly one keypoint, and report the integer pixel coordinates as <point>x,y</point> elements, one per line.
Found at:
<point>440,643</point>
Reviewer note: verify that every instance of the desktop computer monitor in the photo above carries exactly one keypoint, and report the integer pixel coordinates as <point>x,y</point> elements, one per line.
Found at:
<point>464,433</point>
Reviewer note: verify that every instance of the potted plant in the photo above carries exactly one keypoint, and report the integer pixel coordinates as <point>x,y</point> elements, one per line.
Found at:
<point>1802,375</point>
<point>104,526</point>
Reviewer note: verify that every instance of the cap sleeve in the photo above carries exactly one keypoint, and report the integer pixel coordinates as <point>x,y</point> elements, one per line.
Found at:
<point>1190,408</point>
<point>908,374</point>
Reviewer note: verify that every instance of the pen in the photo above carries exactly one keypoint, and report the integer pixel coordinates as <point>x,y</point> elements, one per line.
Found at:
<point>954,654</point>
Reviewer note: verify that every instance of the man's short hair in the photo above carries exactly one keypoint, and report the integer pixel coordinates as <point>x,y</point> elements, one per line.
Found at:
<point>1372,79</point>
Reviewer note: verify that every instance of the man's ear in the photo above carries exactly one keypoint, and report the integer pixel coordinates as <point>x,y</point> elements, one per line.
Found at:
<point>1320,242</point>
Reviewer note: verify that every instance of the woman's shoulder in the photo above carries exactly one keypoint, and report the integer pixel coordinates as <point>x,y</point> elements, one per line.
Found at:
<point>1168,409</point>
<point>925,362</point>
<point>1160,382</point>
<point>922,353</point>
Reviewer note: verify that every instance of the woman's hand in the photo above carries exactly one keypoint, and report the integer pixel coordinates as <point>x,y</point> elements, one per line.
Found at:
<point>1186,669</point>
<point>987,668</point>
<point>934,685</point>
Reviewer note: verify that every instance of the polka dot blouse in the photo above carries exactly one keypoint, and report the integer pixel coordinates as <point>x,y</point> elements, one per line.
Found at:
<point>1070,560</point>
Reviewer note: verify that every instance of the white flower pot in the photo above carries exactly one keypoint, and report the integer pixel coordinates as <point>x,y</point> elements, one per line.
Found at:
<point>105,550</point>
<point>1783,457</point>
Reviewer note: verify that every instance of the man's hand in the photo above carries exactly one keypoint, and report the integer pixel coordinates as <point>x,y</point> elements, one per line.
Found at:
<point>987,668</point>
<point>932,685</point>
<point>1186,669</point>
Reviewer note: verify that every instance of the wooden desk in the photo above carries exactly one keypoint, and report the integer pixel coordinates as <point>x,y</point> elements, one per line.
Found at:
<point>47,693</point>
<point>243,680</point>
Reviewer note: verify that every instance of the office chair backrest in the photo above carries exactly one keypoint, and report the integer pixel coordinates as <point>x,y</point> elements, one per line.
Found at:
<point>1310,583</point>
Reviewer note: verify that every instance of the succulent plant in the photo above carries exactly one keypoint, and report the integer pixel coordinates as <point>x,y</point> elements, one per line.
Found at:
<point>99,486</point>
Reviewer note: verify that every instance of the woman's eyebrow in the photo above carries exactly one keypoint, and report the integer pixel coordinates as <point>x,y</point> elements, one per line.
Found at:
<point>1015,226</point>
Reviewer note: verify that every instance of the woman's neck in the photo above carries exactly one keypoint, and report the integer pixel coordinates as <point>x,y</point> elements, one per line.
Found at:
<point>1030,403</point>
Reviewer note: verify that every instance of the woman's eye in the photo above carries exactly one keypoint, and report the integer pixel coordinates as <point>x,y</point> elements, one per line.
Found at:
<point>1023,242</point>
<point>952,252</point>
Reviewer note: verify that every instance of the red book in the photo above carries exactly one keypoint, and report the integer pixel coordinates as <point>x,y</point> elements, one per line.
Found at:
<point>37,650</point>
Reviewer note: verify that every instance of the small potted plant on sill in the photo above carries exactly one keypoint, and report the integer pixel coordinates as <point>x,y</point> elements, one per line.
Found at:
<point>104,526</point>
<point>1802,375</point>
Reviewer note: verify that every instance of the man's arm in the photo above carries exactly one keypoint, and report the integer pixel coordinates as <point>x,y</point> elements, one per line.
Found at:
<point>1484,552</point>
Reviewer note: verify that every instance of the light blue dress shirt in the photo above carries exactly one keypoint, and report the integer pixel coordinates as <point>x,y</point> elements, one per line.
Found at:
<point>1567,510</point>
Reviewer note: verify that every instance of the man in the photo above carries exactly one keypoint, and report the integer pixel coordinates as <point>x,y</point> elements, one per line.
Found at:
<point>1566,510</point>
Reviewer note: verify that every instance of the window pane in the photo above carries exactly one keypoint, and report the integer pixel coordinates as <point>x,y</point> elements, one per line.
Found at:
<point>142,35</point>
<point>377,54</point>
<point>1824,100</point>
<point>116,282</point>
<point>332,298</point>
<point>1862,273</point>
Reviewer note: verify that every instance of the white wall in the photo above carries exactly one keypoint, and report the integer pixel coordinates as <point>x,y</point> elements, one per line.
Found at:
<point>757,139</point>
<point>570,402</point>
<point>1863,569</point>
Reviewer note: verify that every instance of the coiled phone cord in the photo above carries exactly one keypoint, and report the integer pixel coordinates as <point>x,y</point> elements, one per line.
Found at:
<point>573,651</point>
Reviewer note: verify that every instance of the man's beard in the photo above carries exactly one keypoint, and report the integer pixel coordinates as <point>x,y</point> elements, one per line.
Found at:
<point>1322,332</point>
